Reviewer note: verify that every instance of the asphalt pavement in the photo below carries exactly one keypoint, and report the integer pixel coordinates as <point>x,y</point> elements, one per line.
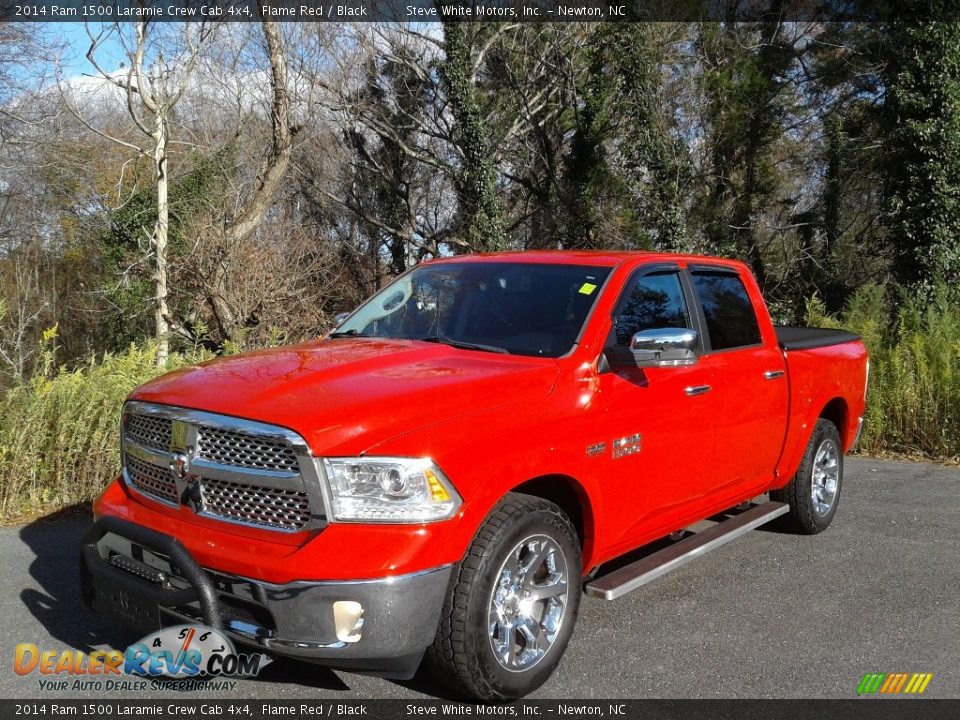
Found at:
<point>770,615</point>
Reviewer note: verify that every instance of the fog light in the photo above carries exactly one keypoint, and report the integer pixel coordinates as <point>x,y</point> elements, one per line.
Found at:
<point>348,619</point>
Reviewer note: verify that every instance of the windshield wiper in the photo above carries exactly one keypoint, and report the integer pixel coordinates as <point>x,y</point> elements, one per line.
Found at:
<point>444,340</point>
<point>347,333</point>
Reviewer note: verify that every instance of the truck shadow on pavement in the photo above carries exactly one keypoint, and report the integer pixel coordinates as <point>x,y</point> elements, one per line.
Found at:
<point>54,541</point>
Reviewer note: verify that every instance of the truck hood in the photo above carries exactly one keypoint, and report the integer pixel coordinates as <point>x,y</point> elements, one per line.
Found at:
<point>346,395</point>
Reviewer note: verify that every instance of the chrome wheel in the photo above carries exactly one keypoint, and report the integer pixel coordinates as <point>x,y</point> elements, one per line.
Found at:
<point>528,602</point>
<point>826,477</point>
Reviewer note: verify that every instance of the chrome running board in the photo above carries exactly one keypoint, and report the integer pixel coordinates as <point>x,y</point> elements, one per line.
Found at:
<point>629,577</point>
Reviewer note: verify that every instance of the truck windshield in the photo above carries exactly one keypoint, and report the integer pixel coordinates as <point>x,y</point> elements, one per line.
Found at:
<point>517,308</point>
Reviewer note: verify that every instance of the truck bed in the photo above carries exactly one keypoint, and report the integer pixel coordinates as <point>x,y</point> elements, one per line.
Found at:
<point>806,338</point>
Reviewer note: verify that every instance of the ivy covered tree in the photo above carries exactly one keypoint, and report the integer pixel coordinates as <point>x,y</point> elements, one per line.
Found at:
<point>393,97</point>
<point>747,73</point>
<point>128,284</point>
<point>922,152</point>
<point>591,187</point>
<point>480,217</point>
<point>656,161</point>
<point>627,171</point>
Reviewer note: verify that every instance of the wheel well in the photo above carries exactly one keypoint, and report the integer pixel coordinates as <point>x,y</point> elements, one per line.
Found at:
<point>568,494</point>
<point>836,412</point>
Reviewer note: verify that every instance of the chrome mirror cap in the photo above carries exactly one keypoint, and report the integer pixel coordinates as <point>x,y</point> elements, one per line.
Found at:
<point>664,347</point>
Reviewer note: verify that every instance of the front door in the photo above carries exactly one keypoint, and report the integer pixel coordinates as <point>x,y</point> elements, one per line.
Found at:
<point>657,422</point>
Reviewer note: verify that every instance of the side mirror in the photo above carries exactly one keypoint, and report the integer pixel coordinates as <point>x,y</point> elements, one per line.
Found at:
<point>664,347</point>
<point>339,318</point>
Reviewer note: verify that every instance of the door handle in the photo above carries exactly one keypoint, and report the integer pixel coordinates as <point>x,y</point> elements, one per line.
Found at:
<point>697,390</point>
<point>773,374</point>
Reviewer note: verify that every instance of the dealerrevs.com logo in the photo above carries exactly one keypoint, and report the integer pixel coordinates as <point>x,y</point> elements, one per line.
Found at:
<point>184,657</point>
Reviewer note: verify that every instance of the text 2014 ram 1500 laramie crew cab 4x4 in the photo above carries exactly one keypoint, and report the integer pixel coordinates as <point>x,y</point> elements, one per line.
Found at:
<point>436,479</point>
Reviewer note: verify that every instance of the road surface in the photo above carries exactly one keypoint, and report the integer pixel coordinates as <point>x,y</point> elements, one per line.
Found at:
<point>770,615</point>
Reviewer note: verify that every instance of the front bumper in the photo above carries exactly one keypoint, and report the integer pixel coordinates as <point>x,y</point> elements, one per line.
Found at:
<point>381,626</point>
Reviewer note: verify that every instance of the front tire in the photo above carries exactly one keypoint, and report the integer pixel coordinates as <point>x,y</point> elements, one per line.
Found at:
<point>814,491</point>
<point>511,604</point>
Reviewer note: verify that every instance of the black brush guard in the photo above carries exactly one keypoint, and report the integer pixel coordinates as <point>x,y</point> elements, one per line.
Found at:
<point>94,565</point>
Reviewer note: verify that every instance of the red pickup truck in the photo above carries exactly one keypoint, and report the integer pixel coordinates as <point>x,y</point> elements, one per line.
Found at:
<point>476,444</point>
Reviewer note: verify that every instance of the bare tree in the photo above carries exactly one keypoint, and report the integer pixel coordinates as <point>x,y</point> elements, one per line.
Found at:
<point>158,74</point>
<point>17,343</point>
<point>163,66</point>
<point>227,244</point>
<point>27,124</point>
<point>271,174</point>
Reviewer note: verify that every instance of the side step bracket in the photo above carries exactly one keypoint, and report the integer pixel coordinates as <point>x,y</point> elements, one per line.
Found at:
<point>629,577</point>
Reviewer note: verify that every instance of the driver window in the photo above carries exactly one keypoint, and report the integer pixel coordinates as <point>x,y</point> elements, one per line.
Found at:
<point>653,300</point>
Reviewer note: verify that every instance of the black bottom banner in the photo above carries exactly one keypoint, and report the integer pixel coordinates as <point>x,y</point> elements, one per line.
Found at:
<point>914,709</point>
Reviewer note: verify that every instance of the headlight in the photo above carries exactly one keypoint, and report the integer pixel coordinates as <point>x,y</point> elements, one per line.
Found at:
<point>402,490</point>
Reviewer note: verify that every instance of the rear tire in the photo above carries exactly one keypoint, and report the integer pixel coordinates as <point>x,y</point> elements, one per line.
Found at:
<point>814,491</point>
<point>511,604</point>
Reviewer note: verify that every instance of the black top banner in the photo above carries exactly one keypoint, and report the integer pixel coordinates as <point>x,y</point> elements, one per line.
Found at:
<point>426,11</point>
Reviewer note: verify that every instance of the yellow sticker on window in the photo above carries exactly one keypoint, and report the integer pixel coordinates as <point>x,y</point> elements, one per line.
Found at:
<point>587,288</point>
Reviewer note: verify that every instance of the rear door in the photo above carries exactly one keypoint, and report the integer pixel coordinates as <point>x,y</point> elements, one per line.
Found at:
<point>749,379</point>
<point>656,423</point>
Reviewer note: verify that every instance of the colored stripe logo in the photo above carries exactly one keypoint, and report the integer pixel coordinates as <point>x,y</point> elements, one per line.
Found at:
<point>894,683</point>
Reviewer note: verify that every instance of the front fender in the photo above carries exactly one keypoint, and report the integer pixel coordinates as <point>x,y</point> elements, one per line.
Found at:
<point>491,453</point>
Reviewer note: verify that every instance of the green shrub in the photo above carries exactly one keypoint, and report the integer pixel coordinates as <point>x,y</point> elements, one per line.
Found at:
<point>59,432</point>
<point>913,399</point>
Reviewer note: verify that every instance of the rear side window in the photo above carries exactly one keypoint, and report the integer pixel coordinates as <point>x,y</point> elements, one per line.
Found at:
<point>731,320</point>
<point>651,301</point>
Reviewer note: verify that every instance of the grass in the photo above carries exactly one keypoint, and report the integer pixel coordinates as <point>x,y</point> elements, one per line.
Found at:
<point>59,432</point>
<point>913,397</point>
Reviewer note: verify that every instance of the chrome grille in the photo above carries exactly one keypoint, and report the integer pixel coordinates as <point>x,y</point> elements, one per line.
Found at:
<point>230,447</point>
<point>151,479</point>
<point>274,507</point>
<point>149,430</point>
<point>246,472</point>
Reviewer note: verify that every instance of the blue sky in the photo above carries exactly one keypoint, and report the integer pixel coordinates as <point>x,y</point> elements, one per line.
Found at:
<point>74,36</point>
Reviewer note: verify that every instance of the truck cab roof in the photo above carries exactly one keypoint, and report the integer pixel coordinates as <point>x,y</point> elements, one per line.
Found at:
<point>602,258</point>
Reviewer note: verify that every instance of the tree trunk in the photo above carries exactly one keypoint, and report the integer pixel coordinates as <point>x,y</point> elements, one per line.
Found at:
<point>160,237</point>
<point>268,182</point>
<point>275,168</point>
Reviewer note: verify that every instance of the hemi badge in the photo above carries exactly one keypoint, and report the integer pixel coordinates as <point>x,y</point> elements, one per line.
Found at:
<point>627,445</point>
